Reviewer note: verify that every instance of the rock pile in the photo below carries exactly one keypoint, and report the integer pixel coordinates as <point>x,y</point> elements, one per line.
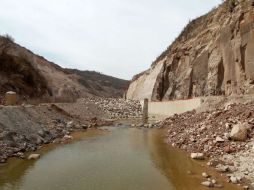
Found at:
<point>14,143</point>
<point>226,135</point>
<point>212,133</point>
<point>243,162</point>
<point>118,108</point>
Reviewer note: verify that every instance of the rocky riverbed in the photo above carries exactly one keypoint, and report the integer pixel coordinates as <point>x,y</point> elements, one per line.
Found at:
<point>223,135</point>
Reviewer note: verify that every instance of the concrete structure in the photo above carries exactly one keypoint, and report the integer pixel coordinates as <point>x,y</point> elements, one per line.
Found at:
<point>169,108</point>
<point>10,98</point>
<point>145,111</point>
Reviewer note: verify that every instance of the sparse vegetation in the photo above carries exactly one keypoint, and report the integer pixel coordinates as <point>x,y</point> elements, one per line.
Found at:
<point>9,37</point>
<point>96,81</point>
<point>230,4</point>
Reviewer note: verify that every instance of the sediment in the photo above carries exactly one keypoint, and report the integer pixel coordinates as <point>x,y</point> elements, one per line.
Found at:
<point>27,127</point>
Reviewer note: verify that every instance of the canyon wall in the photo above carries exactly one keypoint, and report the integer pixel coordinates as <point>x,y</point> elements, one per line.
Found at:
<point>214,55</point>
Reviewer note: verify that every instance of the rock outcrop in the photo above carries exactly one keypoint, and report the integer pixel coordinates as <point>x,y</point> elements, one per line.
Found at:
<point>212,56</point>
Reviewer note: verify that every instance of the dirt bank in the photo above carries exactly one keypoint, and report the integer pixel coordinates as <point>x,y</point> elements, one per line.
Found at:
<point>26,128</point>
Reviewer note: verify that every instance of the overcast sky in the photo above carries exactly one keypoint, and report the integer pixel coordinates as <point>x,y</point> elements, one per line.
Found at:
<point>115,37</point>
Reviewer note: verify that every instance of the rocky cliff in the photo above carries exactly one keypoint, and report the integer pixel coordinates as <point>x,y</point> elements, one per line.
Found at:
<point>34,77</point>
<point>214,55</point>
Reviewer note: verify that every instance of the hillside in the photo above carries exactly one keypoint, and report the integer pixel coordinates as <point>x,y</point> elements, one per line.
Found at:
<point>212,56</point>
<point>35,78</point>
<point>100,84</point>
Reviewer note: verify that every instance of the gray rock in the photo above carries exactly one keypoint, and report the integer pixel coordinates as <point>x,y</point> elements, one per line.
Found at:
<point>222,168</point>
<point>239,132</point>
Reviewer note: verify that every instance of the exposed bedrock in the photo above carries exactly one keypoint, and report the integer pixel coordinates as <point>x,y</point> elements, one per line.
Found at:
<point>214,55</point>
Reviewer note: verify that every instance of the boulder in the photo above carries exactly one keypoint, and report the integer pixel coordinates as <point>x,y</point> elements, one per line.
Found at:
<point>239,132</point>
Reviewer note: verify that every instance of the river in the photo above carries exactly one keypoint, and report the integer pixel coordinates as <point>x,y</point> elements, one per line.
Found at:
<point>120,158</point>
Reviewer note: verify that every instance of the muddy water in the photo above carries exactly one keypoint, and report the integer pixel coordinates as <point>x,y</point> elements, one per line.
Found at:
<point>122,159</point>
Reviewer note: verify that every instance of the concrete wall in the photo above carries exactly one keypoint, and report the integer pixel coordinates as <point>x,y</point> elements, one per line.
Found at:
<point>169,108</point>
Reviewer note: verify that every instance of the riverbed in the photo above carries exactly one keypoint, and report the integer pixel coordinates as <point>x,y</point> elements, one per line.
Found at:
<point>119,158</point>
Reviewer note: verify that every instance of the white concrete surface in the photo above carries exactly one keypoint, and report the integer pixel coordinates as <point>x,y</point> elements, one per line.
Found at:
<point>169,108</point>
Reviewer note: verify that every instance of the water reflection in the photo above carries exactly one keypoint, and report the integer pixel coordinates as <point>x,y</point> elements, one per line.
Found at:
<point>175,164</point>
<point>126,159</point>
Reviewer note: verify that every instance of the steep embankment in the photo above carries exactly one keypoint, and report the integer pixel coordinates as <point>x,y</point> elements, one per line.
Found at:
<point>212,56</point>
<point>32,76</point>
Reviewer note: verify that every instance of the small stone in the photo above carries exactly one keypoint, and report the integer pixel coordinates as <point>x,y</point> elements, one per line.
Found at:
<point>197,156</point>
<point>34,156</point>
<point>219,139</point>
<point>222,168</point>
<point>207,184</point>
<point>205,175</point>
<point>84,126</point>
<point>67,137</point>
<point>233,179</point>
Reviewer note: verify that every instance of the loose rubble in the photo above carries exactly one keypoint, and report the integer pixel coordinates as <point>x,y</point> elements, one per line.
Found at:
<point>118,108</point>
<point>211,132</point>
<point>26,128</point>
<point>225,136</point>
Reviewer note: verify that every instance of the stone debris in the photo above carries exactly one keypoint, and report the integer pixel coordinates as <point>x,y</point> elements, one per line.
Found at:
<point>118,108</point>
<point>210,132</point>
<point>53,123</point>
<point>226,136</point>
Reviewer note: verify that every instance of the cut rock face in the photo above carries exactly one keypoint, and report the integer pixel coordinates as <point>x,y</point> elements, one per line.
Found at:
<point>212,56</point>
<point>239,132</point>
